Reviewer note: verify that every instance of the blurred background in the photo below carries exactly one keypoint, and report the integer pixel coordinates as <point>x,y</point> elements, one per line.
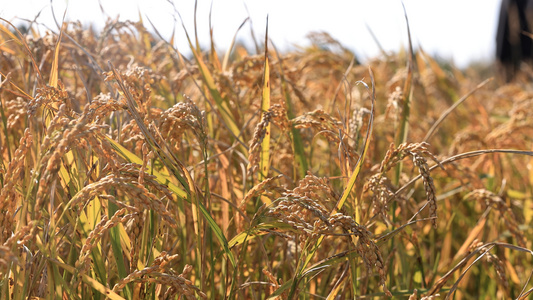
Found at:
<point>462,32</point>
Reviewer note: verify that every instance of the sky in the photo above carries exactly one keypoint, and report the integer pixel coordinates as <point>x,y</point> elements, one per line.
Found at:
<point>463,31</point>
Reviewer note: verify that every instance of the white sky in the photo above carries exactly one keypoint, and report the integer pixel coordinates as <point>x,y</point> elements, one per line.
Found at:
<point>462,30</point>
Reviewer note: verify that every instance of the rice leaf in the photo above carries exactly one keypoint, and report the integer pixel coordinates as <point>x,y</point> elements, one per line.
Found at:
<point>131,157</point>
<point>228,52</point>
<point>336,290</point>
<point>258,230</point>
<point>280,290</point>
<point>264,163</point>
<point>218,233</point>
<point>54,71</point>
<point>116,246</point>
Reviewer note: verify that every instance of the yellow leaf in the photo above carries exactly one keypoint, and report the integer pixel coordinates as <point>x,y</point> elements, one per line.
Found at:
<point>264,164</point>
<point>54,72</point>
<point>131,157</point>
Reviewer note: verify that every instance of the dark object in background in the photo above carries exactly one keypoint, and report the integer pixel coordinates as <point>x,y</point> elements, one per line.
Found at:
<point>513,39</point>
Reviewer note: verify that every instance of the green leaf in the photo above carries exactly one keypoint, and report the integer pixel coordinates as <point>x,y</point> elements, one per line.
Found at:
<point>218,233</point>
<point>116,246</point>
<point>280,290</point>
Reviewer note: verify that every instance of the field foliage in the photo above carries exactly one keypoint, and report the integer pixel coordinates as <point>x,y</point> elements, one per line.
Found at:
<point>130,170</point>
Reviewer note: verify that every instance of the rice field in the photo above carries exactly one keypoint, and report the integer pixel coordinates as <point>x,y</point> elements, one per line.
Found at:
<point>130,170</point>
